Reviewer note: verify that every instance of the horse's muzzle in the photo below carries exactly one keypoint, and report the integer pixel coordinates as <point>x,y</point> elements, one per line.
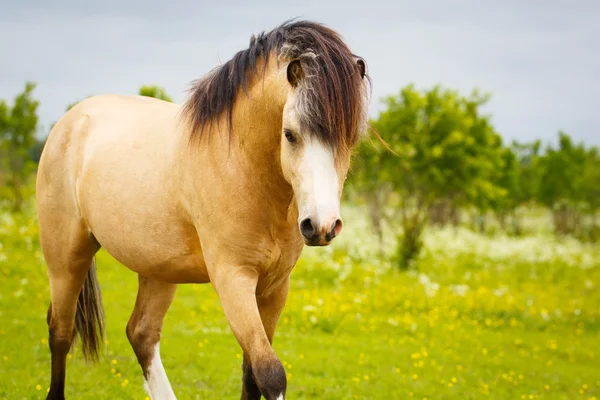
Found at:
<point>316,234</point>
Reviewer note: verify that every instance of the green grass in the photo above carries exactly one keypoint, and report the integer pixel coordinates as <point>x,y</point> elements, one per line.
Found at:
<point>484,317</point>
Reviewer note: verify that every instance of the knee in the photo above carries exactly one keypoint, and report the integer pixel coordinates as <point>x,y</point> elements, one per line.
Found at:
<point>60,336</point>
<point>142,341</point>
<point>59,340</point>
<point>270,379</point>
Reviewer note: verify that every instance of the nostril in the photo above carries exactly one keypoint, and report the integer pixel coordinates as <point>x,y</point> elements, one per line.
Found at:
<point>336,228</point>
<point>307,229</point>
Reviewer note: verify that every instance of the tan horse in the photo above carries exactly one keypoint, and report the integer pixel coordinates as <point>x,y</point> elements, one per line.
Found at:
<point>225,189</point>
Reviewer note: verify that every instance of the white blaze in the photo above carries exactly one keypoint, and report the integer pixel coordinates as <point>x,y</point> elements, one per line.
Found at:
<point>318,194</point>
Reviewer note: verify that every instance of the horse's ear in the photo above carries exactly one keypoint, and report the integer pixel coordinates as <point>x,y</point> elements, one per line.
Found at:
<point>362,67</point>
<point>294,72</point>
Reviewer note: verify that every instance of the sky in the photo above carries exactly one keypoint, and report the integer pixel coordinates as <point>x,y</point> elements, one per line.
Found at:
<point>539,60</point>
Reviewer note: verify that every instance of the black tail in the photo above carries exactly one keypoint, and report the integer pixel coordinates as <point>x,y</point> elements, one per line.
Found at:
<point>89,319</point>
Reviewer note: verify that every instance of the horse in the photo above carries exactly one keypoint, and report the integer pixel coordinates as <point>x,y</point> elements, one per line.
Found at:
<point>225,188</point>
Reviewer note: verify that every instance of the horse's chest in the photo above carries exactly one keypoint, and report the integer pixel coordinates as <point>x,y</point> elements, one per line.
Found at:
<point>279,269</point>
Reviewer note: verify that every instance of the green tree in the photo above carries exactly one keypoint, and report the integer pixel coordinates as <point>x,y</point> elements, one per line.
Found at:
<point>520,177</point>
<point>591,191</point>
<point>443,149</point>
<point>18,126</point>
<point>528,155</point>
<point>4,127</point>
<point>484,162</point>
<point>369,186</point>
<point>157,92</point>
<point>35,151</point>
<point>508,178</point>
<point>71,105</point>
<point>562,183</point>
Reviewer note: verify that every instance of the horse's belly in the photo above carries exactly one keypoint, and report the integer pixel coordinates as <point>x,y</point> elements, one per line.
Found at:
<point>171,253</point>
<point>169,258</point>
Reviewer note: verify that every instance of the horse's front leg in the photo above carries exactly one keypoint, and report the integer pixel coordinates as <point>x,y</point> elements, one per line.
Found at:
<point>270,308</point>
<point>236,287</point>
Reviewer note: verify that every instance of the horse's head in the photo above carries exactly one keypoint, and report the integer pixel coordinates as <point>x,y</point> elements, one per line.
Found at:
<point>323,116</point>
<point>321,86</point>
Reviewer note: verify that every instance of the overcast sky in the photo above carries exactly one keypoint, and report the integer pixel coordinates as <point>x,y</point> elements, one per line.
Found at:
<point>540,60</point>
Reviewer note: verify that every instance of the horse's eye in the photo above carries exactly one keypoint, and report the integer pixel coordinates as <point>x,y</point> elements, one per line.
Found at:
<point>289,136</point>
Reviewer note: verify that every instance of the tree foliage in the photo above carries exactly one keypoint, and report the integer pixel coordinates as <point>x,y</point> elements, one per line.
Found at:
<point>519,177</point>
<point>18,126</point>
<point>570,184</point>
<point>155,91</point>
<point>447,158</point>
<point>443,149</point>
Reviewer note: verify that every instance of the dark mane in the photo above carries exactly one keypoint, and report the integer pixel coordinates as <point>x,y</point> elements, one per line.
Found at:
<point>331,96</point>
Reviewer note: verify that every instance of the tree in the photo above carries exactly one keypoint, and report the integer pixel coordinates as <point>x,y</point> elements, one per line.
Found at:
<point>528,156</point>
<point>18,126</point>
<point>562,183</point>
<point>443,149</point>
<point>367,184</point>
<point>71,105</point>
<point>591,191</point>
<point>484,162</point>
<point>4,127</point>
<point>520,177</point>
<point>507,178</point>
<point>157,92</point>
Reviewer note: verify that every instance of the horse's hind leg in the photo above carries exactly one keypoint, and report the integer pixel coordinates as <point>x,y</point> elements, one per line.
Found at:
<point>143,331</point>
<point>69,249</point>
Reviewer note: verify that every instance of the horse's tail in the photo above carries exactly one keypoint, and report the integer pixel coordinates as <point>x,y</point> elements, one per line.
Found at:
<point>89,318</point>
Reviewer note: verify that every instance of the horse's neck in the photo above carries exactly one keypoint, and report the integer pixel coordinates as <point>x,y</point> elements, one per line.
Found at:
<point>243,166</point>
<point>256,136</point>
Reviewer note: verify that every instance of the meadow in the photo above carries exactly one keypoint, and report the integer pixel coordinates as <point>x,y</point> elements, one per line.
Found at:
<point>475,317</point>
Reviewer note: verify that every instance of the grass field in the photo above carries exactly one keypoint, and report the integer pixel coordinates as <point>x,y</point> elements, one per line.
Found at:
<point>484,317</point>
